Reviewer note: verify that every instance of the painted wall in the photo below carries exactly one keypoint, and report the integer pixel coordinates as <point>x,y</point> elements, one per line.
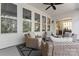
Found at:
<point>10,39</point>
<point>74,15</point>
<point>53,25</point>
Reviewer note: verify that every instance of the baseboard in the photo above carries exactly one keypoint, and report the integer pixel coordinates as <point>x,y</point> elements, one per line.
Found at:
<point>10,45</point>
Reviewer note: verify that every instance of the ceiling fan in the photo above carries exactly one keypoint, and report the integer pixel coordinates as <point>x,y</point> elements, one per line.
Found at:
<point>52,5</point>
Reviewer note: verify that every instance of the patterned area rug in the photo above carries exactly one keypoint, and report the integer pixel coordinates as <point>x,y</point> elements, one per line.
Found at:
<point>25,51</point>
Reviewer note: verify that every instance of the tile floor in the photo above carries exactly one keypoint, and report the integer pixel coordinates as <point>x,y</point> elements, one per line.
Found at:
<point>10,51</point>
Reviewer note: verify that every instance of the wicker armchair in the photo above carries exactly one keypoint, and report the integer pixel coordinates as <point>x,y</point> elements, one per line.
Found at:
<point>44,48</point>
<point>31,42</point>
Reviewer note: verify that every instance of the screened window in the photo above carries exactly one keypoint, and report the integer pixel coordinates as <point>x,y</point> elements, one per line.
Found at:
<point>26,14</point>
<point>43,23</point>
<point>8,9</point>
<point>37,22</point>
<point>8,18</point>
<point>26,20</point>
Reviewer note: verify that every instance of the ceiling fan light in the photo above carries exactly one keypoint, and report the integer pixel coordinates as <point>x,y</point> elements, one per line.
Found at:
<point>54,7</point>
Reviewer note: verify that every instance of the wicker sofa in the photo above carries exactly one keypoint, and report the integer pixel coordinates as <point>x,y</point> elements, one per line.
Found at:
<point>66,49</point>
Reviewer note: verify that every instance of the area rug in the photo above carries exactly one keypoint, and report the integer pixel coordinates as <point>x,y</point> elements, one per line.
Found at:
<point>25,51</point>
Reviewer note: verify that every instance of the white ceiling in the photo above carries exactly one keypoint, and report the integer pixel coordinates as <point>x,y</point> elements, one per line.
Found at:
<point>60,9</point>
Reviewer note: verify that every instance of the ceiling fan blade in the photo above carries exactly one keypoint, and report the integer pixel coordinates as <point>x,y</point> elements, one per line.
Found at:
<point>58,3</point>
<point>46,3</point>
<point>47,7</point>
<point>54,7</point>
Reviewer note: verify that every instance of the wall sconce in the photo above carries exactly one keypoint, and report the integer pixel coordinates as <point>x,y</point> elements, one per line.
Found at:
<point>52,21</point>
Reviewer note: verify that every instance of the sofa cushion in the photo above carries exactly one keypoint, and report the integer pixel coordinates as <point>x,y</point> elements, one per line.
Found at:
<point>32,34</point>
<point>65,39</point>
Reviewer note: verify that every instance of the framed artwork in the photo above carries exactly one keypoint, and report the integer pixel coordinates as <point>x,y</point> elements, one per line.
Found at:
<point>43,23</point>
<point>26,26</point>
<point>8,18</point>
<point>8,25</point>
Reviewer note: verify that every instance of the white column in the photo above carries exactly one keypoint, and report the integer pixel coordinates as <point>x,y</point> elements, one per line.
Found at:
<point>53,27</point>
<point>33,22</point>
<point>0,18</point>
<point>19,18</point>
<point>50,25</point>
<point>40,23</point>
<point>46,23</point>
